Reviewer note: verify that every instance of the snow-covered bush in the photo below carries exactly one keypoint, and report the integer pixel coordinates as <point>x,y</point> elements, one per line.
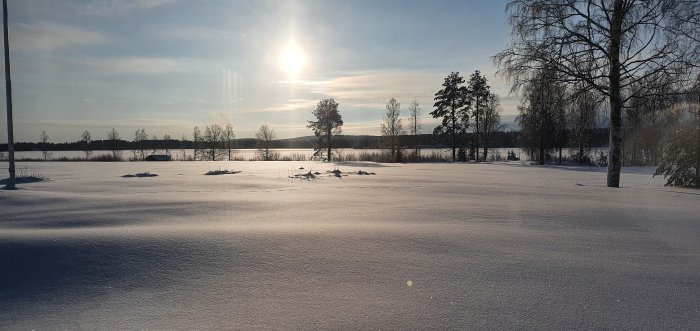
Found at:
<point>602,160</point>
<point>681,158</point>
<point>512,156</point>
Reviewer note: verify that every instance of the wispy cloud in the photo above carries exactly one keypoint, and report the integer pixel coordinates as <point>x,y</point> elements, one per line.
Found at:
<point>195,33</point>
<point>51,36</point>
<point>69,130</point>
<point>284,106</point>
<point>118,7</point>
<point>372,88</point>
<point>132,65</point>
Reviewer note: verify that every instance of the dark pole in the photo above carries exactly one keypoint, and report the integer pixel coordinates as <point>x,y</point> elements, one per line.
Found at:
<point>8,96</point>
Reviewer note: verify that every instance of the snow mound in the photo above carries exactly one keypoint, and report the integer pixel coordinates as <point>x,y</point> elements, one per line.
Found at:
<point>221,172</point>
<point>140,175</point>
<point>305,176</point>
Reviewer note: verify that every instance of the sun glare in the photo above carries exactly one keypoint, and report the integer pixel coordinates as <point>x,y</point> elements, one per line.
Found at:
<point>291,61</point>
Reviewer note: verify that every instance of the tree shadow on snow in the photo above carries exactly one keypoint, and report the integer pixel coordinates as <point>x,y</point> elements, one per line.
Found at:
<point>23,180</point>
<point>363,164</point>
<point>625,170</point>
<point>72,269</point>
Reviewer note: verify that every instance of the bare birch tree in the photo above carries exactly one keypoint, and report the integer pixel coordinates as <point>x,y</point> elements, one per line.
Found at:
<point>228,137</point>
<point>263,141</point>
<point>183,142</point>
<point>607,45</point>
<point>392,128</point>
<point>113,139</point>
<point>414,124</point>
<point>213,139</point>
<point>154,143</point>
<point>197,143</point>
<point>86,142</point>
<point>582,114</point>
<point>490,121</point>
<point>44,143</point>
<point>166,143</point>
<point>543,98</point>
<point>140,139</point>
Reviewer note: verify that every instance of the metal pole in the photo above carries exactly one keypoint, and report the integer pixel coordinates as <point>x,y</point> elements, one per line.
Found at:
<point>8,94</point>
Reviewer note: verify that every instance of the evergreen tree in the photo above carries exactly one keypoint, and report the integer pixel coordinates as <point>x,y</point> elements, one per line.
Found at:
<point>450,105</point>
<point>680,161</point>
<point>478,92</point>
<point>328,123</point>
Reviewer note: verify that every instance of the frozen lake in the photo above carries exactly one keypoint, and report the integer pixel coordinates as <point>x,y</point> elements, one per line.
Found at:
<point>414,246</point>
<point>250,154</point>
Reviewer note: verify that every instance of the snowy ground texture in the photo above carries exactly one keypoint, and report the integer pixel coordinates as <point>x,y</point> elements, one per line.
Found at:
<point>415,246</point>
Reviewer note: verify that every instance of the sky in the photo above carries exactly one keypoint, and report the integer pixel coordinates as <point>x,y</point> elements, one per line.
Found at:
<point>168,65</point>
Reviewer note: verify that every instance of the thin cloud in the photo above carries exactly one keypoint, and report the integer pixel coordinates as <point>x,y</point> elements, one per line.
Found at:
<point>70,130</point>
<point>379,84</point>
<point>195,33</point>
<point>133,65</point>
<point>119,7</point>
<point>284,107</point>
<point>51,36</point>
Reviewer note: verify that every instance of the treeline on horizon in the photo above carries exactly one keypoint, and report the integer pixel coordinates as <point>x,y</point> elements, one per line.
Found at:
<point>501,139</point>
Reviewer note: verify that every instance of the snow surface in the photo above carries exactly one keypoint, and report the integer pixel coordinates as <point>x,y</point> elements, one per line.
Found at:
<point>416,246</point>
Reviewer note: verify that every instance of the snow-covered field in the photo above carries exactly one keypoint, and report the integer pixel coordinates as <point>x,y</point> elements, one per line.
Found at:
<point>415,246</point>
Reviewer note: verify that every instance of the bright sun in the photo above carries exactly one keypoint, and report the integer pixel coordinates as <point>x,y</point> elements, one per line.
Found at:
<point>291,60</point>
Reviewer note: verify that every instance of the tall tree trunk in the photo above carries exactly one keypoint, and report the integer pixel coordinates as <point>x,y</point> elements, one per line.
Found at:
<point>541,153</point>
<point>697,148</point>
<point>454,155</point>
<point>477,128</point>
<point>580,134</point>
<point>329,145</point>
<point>580,148</point>
<point>542,129</point>
<point>486,146</point>
<point>415,133</point>
<point>654,146</point>
<point>635,145</point>
<point>615,152</point>
<point>559,155</point>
